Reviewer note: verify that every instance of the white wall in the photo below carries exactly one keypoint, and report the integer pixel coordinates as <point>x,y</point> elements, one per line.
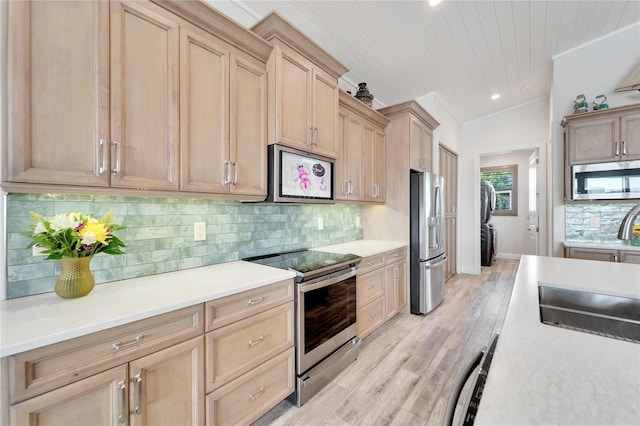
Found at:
<point>595,68</point>
<point>522,128</point>
<point>512,234</point>
<point>448,133</point>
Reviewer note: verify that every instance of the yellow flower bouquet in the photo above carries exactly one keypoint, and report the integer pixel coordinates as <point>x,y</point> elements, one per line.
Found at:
<point>74,235</point>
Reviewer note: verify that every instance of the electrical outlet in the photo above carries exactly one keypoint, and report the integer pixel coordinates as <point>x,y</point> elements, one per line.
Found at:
<point>357,221</point>
<point>595,222</point>
<point>199,231</point>
<point>320,224</point>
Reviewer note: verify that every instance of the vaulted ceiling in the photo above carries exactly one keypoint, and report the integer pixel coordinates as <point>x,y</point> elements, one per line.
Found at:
<point>463,51</point>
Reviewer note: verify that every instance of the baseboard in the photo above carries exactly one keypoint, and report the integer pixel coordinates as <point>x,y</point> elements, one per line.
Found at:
<point>513,256</point>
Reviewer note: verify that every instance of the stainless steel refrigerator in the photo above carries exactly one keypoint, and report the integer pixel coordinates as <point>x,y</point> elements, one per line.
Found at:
<point>426,243</point>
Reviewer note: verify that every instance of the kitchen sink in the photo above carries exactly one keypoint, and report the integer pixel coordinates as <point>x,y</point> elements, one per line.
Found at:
<point>602,314</point>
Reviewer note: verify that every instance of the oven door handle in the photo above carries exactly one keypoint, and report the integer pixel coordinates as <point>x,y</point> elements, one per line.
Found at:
<point>328,280</point>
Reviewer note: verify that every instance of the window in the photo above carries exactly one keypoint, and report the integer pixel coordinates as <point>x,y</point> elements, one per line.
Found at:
<point>505,181</point>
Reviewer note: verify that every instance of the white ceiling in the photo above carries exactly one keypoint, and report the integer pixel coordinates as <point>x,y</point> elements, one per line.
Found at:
<point>463,51</point>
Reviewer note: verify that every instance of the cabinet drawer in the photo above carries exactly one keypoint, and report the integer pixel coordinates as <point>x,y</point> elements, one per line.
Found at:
<point>370,263</point>
<point>395,255</point>
<point>250,396</point>
<point>370,286</point>
<point>370,317</point>
<point>226,310</point>
<point>237,348</point>
<point>40,370</point>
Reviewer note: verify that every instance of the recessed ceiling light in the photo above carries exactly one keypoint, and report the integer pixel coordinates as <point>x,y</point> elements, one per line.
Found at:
<point>495,97</point>
<point>433,3</point>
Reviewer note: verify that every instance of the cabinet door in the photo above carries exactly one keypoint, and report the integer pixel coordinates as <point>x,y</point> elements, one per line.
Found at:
<point>204,130</point>
<point>391,290</point>
<point>355,134</point>
<point>341,186</point>
<point>630,136</point>
<point>58,92</point>
<point>144,97</point>
<point>402,284</point>
<point>325,114</point>
<point>167,387</point>
<point>451,230</point>
<point>594,140</point>
<point>96,400</point>
<point>380,166</point>
<point>417,160</point>
<point>293,100</point>
<point>426,142</point>
<point>248,126</point>
<point>368,165</point>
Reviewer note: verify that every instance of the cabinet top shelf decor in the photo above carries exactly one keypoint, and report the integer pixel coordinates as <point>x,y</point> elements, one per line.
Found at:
<point>591,115</point>
<point>275,27</point>
<point>354,104</point>
<point>413,107</point>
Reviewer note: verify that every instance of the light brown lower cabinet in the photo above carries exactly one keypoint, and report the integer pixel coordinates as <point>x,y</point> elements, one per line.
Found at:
<point>170,369</point>
<point>382,291</point>
<point>607,255</point>
<point>164,388</point>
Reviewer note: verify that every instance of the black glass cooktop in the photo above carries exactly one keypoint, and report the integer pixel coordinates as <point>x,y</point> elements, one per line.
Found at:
<point>307,262</point>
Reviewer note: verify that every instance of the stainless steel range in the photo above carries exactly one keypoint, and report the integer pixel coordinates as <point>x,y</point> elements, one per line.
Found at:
<point>326,323</point>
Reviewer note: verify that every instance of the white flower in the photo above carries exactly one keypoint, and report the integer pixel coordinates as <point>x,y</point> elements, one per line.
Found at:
<point>40,229</point>
<point>63,221</point>
<point>89,238</point>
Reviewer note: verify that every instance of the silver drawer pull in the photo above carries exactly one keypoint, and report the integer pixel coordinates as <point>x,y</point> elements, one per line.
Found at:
<point>257,395</point>
<point>371,287</point>
<point>123,402</point>
<point>372,317</point>
<point>257,341</point>
<point>118,345</point>
<point>256,301</point>
<point>137,410</point>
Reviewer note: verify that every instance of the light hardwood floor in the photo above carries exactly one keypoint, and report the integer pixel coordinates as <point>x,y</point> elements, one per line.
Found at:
<point>407,368</point>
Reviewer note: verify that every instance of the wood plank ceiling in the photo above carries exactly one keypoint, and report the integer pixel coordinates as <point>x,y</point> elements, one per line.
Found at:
<point>463,51</point>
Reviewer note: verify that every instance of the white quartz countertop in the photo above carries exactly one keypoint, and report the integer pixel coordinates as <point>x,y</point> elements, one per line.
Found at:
<point>30,322</point>
<point>363,248</point>
<point>544,375</point>
<point>621,245</point>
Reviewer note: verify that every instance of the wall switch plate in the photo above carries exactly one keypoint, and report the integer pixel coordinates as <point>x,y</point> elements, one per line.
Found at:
<point>357,221</point>
<point>320,224</point>
<point>595,222</point>
<point>199,231</point>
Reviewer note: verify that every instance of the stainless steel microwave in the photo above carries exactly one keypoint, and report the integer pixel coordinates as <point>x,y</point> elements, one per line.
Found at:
<point>618,180</point>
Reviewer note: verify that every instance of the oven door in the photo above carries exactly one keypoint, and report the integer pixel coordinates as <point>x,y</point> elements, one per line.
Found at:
<point>326,316</point>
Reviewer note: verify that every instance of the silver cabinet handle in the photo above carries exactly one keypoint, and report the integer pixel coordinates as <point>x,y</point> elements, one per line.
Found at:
<point>117,346</point>
<point>123,402</point>
<point>397,273</point>
<point>310,136</point>
<point>138,408</point>
<point>116,153</point>
<point>617,149</point>
<point>372,317</point>
<point>227,166</point>
<point>257,341</point>
<point>624,148</point>
<point>235,175</point>
<point>315,129</point>
<point>257,395</point>
<point>376,192</point>
<point>370,287</point>
<point>101,157</point>
<point>615,257</point>
<point>256,301</point>
<point>346,187</point>
<point>350,187</point>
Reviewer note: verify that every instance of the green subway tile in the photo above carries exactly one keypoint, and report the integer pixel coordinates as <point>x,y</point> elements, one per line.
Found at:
<point>164,255</point>
<point>135,271</point>
<point>138,258</point>
<point>27,272</point>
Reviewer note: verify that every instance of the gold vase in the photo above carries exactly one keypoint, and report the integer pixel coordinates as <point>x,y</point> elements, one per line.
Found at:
<point>76,279</point>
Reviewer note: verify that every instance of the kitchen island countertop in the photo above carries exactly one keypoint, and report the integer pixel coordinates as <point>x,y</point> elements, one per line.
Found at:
<point>35,321</point>
<point>609,245</point>
<point>542,374</point>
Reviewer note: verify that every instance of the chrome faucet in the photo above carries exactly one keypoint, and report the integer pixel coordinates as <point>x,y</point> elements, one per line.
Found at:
<point>626,227</point>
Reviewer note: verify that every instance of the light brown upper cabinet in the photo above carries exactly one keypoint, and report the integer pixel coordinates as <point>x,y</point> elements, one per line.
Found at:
<point>415,126</point>
<point>151,95</point>
<point>303,87</point>
<point>361,163</point>
<point>601,136</point>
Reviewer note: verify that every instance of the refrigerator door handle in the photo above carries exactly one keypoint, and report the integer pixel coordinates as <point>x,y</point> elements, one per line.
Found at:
<point>435,265</point>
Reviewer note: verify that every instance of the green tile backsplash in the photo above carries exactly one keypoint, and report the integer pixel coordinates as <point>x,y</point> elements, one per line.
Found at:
<point>581,218</point>
<point>159,234</point>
